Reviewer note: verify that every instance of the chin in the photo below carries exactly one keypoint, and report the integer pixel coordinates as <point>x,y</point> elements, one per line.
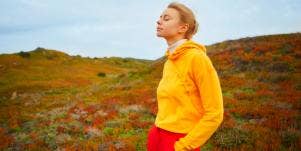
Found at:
<point>158,35</point>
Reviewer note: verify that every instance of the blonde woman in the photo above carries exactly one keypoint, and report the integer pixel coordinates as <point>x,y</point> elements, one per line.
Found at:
<point>190,103</point>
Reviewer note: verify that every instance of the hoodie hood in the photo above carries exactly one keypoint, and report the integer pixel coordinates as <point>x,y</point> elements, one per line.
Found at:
<point>184,48</point>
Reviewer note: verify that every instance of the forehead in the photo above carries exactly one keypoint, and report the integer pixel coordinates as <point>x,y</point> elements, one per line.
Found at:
<point>170,12</point>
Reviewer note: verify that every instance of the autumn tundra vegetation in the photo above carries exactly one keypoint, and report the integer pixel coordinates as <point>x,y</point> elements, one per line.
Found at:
<point>50,100</point>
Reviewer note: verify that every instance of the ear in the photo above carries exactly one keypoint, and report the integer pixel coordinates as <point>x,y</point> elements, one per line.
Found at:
<point>183,28</point>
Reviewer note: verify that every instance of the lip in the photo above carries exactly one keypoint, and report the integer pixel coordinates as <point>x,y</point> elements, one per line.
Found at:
<point>158,29</point>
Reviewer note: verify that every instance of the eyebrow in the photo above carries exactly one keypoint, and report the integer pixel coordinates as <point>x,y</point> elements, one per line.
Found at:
<point>164,15</point>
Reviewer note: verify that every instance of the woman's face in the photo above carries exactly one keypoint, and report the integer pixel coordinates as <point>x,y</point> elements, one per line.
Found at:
<point>168,25</point>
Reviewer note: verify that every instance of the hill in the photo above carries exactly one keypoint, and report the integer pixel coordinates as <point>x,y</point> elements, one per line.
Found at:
<point>261,83</point>
<point>50,100</point>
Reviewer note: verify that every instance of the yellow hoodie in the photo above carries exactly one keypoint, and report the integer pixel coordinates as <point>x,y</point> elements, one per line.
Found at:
<point>189,96</point>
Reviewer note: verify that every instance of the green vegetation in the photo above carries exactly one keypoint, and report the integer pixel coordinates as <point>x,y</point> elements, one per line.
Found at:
<point>50,100</point>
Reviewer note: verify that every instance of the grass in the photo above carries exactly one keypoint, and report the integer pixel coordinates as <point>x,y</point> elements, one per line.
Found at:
<point>52,101</point>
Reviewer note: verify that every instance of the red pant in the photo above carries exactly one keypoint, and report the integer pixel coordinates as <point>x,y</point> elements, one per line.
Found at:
<point>162,140</point>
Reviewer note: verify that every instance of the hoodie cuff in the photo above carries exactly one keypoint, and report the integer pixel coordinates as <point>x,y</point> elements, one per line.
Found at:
<point>179,146</point>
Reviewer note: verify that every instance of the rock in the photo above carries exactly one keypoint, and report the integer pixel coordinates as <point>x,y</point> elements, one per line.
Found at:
<point>14,95</point>
<point>93,132</point>
<point>134,107</point>
<point>101,113</point>
<point>63,138</point>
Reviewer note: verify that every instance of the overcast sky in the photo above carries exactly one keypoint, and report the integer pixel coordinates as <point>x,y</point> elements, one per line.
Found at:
<point>127,28</point>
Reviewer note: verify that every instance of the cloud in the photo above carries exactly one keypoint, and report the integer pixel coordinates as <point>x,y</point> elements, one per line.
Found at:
<point>127,28</point>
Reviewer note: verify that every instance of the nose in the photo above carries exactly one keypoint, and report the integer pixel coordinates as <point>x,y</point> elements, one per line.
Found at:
<point>159,22</point>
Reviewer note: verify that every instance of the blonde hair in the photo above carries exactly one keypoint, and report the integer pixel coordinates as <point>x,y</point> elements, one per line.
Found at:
<point>186,16</point>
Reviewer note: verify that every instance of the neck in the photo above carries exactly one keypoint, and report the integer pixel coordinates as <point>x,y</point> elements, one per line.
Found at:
<point>172,40</point>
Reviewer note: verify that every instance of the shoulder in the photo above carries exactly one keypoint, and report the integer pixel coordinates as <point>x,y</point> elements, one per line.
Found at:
<point>198,56</point>
<point>199,61</point>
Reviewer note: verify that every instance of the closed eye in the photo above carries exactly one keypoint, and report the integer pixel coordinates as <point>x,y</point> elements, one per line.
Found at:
<point>165,17</point>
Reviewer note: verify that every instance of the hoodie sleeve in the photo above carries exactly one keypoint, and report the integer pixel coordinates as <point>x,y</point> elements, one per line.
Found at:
<point>208,84</point>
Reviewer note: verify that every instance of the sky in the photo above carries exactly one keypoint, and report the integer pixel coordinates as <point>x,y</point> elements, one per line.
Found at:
<point>127,28</point>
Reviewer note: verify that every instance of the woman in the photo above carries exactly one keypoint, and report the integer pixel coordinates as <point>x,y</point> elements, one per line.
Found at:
<point>190,103</point>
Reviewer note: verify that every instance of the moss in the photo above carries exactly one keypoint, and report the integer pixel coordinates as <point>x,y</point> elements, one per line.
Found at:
<point>231,137</point>
<point>290,138</point>
<point>24,54</point>
<point>101,74</point>
<point>208,146</point>
<point>126,134</point>
<point>108,130</point>
<point>227,94</point>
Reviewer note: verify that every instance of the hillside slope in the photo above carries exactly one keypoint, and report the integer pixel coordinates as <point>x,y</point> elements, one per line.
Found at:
<point>261,83</point>
<point>50,100</point>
